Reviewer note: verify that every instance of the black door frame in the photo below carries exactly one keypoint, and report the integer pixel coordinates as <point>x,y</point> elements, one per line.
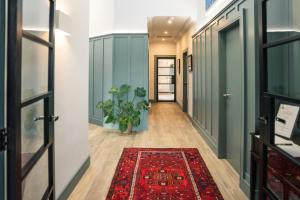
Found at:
<point>2,89</point>
<point>266,120</point>
<point>156,75</point>
<point>185,83</point>
<point>16,173</point>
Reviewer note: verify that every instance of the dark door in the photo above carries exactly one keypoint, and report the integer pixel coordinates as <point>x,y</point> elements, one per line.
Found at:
<point>2,89</point>
<point>185,83</point>
<point>166,79</point>
<point>30,100</point>
<point>233,97</point>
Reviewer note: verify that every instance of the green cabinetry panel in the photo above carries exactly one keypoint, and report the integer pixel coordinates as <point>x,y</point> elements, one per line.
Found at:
<point>208,73</point>
<point>116,59</point>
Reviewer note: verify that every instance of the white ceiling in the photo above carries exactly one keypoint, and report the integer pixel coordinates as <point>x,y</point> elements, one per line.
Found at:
<point>157,26</point>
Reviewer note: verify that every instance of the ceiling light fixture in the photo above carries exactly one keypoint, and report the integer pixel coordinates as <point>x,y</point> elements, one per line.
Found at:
<point>163,39</point>
<point>170,21</point>
<point>166,32</point>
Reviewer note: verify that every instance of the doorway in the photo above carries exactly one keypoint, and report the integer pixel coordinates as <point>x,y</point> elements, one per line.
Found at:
<point>232,87</point>
<point>165,79</point>
<point>30,100</point>
<point>185,82</point>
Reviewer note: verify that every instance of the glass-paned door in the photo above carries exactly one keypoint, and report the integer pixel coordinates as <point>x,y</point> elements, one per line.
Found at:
<point>166,79</point>
<point>2,92</point>
<point>30,97</point>
<point>279,110</point>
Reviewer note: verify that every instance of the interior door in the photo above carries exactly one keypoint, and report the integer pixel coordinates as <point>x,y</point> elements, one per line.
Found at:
<point>185,83</point>
<point>233,97</point>
<point>2,89</point>
<point>30,100</point>
<point>166,79</point>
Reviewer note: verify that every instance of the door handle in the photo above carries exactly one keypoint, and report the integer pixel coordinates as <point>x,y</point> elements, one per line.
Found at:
<point>54,118</point>
<point>39,118</point>
<point>226,95</point>
<point>263,120</point>
<point>51,118</point>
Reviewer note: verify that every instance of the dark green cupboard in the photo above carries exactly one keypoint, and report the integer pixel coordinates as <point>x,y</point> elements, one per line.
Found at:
<point>116,59</point>
<point>212,97</point>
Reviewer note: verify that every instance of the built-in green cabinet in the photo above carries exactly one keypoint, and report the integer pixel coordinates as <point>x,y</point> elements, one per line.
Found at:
<point>211,51</point>
<point>116,59</point>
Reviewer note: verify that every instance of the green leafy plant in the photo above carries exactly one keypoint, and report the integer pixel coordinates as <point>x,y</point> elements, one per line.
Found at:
<point>124,111</point>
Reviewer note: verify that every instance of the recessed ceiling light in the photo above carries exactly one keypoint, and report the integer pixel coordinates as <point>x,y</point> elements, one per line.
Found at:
<point>166,32</point>
<point>170,21</point>
<point>163,39</point>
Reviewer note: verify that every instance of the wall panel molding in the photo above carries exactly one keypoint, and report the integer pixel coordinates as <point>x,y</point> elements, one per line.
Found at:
<point>116,59</point>
<point>208,72</point>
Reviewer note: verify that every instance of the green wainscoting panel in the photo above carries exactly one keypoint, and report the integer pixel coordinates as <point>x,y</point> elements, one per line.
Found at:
<point>95,81</point>
<point>2,89</point>
<point>139,68</point>
<point>117,59</point>
<point>121,60</point>
<point>208,90</point>
<point>108,60</point>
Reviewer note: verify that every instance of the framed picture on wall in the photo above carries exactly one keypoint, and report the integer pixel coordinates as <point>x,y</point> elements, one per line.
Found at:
<point>178,65</point>
<point>190,63</point>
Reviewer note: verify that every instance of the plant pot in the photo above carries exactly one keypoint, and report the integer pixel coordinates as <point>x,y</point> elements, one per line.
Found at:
<point>129,128</point>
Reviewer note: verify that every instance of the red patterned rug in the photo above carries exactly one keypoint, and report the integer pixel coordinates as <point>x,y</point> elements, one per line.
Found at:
<point>162,174</point>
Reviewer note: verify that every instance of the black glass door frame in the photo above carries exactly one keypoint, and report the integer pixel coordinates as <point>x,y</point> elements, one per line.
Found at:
<point>2,92</point>
<point>16,173</point>
<point>157,58</point>
<point>266,120</point>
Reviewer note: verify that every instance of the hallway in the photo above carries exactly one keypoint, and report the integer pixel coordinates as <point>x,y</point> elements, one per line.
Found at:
<point>168,127</point>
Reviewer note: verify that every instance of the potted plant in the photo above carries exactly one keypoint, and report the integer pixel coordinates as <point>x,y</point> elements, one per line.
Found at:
<point>124,111</point>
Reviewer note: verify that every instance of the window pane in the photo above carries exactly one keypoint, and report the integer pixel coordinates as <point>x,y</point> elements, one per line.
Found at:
<point>32,131</point>
<point>165,88</point>
<point>166,96</point>
<point>284,70</point>
<point>34,69</point>
<point>283,19</point>
<point>166,71</point>
<point>165,79</point>
<point>37,181</point>
<point>166,63</point>
<point>36,17</point>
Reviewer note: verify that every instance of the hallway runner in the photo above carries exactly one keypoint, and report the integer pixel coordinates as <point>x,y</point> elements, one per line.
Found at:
<point>162,174</point>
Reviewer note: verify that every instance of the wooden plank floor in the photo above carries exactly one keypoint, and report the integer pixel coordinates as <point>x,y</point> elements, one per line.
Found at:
<point>168,127</point>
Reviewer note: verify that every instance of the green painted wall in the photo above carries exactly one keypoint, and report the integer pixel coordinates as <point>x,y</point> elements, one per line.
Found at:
<point>208,89</point>
<point>2,64</point>
<point>116,59</point>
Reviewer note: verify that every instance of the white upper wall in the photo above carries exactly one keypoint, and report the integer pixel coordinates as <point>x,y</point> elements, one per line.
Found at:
<point>130,16</point>
<point>205,16</point>
<point>101,17</point>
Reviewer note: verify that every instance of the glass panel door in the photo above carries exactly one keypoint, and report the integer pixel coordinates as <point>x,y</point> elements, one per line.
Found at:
<point>2,89</point>
<point>30,97</point>
<point>166,79</point>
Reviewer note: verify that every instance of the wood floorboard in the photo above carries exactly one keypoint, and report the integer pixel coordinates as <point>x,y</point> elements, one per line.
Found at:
<point>168,127</point>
